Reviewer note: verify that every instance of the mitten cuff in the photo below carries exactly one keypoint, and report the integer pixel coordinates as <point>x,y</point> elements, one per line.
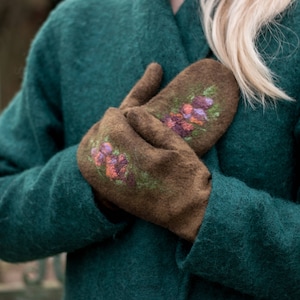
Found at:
<point>189,222</point>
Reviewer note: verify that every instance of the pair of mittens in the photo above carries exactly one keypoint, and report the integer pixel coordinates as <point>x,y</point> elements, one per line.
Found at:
<point>143,157</point>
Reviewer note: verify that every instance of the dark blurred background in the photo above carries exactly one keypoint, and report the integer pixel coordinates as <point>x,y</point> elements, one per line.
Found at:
<point>19,22</point>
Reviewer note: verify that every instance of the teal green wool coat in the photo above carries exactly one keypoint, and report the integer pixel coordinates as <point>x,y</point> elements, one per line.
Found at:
<point>87,57</point>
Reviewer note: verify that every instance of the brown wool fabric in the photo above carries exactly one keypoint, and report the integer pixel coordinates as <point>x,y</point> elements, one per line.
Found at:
<point>142,158</point>
<point>144,89</point>
<point>199,103</point>
<point>142,92</point>
<point>161,181</point>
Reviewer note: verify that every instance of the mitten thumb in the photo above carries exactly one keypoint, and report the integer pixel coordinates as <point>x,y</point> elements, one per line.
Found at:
<point>144,89</point>
<point>153,130</point>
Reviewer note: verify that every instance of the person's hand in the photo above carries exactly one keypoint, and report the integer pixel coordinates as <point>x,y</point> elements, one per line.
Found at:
<point>143,167</point>
<point>199,104</point>
<point>143,91</point>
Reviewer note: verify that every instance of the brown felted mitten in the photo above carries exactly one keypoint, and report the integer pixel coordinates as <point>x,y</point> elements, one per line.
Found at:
<point>147,170</point>
<point>144,89</point>
<point>142,92</point>
<point>198,104</point>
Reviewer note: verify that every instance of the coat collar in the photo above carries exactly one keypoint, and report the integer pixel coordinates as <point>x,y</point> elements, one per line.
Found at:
<point>167,39</point>
<point>190,30</point>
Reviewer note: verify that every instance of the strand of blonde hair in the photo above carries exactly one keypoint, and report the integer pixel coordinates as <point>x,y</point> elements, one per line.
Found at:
<point>231,28</point>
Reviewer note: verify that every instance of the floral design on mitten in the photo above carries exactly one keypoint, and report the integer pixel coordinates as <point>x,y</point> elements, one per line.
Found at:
<point>199,104</point>
<point>112,163</point>
<point>189,117</point>
<point>116,166</point>
<point>131,165</point>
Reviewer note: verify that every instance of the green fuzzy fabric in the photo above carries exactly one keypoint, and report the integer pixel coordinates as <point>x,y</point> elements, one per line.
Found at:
<point>87,57</point>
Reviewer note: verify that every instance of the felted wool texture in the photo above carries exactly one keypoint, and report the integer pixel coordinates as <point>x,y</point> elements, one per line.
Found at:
<point>146,87</point>
<point>199,104</point>
<point>146,175</point>
<point>72,76</point>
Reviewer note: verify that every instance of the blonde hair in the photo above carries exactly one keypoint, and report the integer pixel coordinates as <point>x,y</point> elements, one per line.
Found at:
<point>231,28</point>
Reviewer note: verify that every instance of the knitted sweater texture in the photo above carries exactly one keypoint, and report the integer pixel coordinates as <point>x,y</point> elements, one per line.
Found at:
<point>86,58</point>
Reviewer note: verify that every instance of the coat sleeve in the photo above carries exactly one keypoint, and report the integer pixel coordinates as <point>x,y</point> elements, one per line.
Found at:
<point>248,241</point>
<point>46,207</point>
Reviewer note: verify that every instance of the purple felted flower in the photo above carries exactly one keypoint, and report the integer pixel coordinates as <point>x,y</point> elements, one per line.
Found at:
<point>115,164</point>
<point>168,121</point>
<point>121,165</point>
<point>106,148</point>
<point>111,171</point>
<point>202,102</point>
<point>199,114</point>
<point>116,167</point>
<point>198,117</point>
<point>178,124</point>
<point>98,157</point>
<point>184,129</point>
